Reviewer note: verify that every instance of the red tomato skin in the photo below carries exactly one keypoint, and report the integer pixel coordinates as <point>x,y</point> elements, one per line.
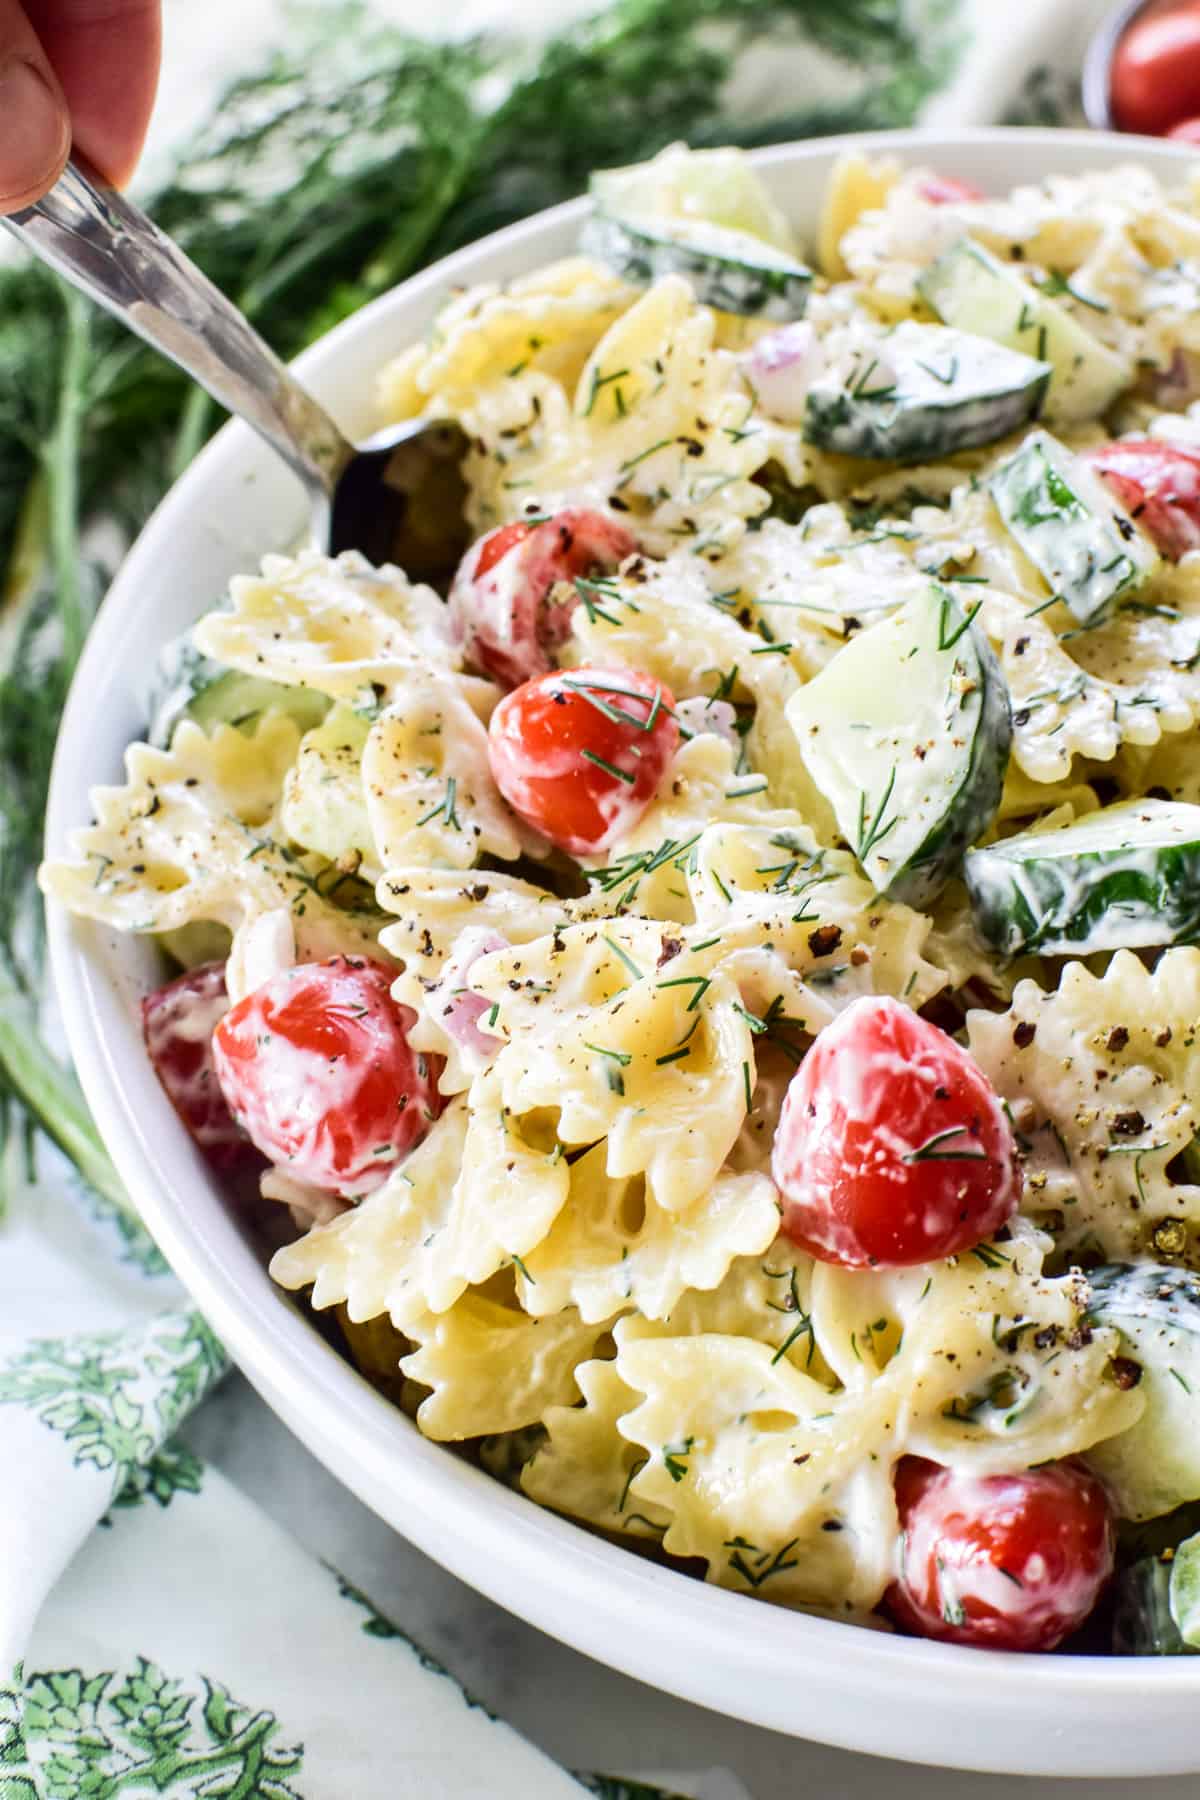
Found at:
<point>542,739</point>
<point>503,607</point>
<point>178,1021</point>
<point>878,1086</point>
<point>316,1066</point>
<point>498,543</point>
<point>945,190</point>
<point>1155,78</point>
<point>1158,484</point>
<point>1003,1562</point>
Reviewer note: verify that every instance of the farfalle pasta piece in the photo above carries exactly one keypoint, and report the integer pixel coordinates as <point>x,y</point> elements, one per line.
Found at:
<point>1171,767</point>
<point>666,415</point>
<point>701,787</point>
<point>473,1197</point>
<point>660,617</point>
<point>547,322</point>
<point>815,587</point>
<point>434,906</point>
<point>765,1297</point>
<point>613,1245</point>
<point>799,922</point>
<point>657,414</point>
<point>857,185</point>
<point>335,624</point>
<point>664,1073</point>
<point>1026,800</point>
<point>492,1368</point>
<point>995,1368</point>
<point>750,1454</point>
<point>766,1475</point>
<point>430,796</point>
<point>535,987</point>
<point>1124,682</point>
<point>584,1466</point>
<point>444,910</point>
<point>671,620</point>
<point>189,838</point>
<point>1103,1081</point>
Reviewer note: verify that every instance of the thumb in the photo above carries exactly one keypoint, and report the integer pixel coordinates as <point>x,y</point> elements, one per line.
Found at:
<point>35,132</point>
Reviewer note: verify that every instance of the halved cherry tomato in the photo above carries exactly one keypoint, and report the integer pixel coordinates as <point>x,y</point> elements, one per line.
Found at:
<point>506,604</point>
<point>316,1065</point>
<point>943,190</point>
<point>579,753</point>
<point>892,1147</point>
<point>1009,1562</point>
<point>178,1022</point>
<point>1156,71</point>
<point>1158,484</point>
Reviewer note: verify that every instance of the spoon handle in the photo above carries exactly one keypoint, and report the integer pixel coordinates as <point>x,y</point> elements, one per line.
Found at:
<point>105,246</point>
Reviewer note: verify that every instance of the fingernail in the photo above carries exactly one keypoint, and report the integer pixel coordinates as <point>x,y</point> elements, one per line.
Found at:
<point>34,132</point>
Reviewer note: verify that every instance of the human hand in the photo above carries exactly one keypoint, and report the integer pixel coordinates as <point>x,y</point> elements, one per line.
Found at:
<point>81,71</point>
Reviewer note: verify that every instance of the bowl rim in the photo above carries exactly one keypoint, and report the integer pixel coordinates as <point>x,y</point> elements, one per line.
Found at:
<point>504,1546</point>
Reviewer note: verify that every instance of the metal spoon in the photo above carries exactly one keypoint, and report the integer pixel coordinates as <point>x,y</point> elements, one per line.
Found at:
<point>400,497</point>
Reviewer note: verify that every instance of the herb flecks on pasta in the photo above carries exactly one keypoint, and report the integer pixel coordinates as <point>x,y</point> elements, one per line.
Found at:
<point>886,723</point>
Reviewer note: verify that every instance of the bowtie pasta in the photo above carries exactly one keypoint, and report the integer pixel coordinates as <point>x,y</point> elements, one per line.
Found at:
<point>718,991</point>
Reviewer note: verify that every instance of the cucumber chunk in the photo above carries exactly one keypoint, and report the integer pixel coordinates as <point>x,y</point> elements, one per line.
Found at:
<point>1184,1593</point>
<point>705,215</point>
<point>907,733</point>
<point>706,187</point>
<point>921,392</point>
<point>324,804</point>
<point>967,286</point>
<point>190,685</point>
<point>1154,1466</point>
<point>730,270</point>
<point>1142,1621</point>
<point>1127,876</point>
<point>1070,527</point>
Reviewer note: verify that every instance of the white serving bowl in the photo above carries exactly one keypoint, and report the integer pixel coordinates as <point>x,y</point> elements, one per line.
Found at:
<point>862,1689</point>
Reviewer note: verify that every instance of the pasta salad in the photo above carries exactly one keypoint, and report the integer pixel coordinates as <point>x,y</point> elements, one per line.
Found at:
<point>712,1002</point>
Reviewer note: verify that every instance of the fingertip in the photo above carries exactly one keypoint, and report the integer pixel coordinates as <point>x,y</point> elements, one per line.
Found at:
<point>105,55</point>
<point>35,133</point>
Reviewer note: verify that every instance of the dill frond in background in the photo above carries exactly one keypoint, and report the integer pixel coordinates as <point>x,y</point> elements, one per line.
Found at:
<point>355,156</point>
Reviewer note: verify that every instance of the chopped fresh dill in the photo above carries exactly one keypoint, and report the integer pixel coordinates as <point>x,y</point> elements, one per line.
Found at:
<point>701,984</point>
<point>624,956</point>
<point>609,768</point>
<point>445,807</point>
<point>874,833</point>
<point>930,1150</point>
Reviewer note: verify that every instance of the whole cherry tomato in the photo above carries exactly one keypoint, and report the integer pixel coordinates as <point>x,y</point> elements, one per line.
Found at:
<point>1158,484</point>
<point>892,1147</point>
<point>178,1022</point>
<point>1008,1562</point>
<point>512,599</point>
<point>316,1065</point>
<point>579,753</point>
<point>1155,79</point>
<point>944,190</point>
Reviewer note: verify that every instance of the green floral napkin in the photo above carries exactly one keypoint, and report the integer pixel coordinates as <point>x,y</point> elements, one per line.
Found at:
<point>160,1635</point>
